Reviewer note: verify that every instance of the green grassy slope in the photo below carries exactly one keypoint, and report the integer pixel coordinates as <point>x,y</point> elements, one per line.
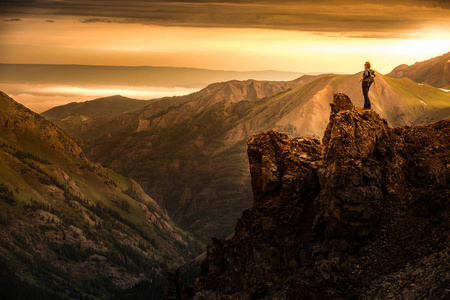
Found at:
<point>426,102</point>
<point>71,228</point>
<point>434,71</point>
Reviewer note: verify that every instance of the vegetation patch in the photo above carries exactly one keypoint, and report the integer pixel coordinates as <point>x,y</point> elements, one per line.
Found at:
<point>7,195</point>
<point>26,155</point>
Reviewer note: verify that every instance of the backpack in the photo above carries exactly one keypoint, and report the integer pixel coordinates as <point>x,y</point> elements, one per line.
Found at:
<point>371,77</point>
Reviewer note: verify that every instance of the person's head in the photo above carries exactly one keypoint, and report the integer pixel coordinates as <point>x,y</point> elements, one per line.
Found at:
<point>367,65</point>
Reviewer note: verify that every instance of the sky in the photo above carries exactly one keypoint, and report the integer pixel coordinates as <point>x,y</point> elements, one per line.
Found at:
<point>301,36</point>
<point>335,36</point>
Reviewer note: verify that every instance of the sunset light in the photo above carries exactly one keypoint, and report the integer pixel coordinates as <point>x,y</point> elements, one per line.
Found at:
<point>307,37</point>
<point>233,149</point>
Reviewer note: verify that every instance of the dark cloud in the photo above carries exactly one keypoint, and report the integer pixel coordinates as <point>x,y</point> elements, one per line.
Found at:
<point>354,18</point>
<point>96,20</point>
<point>12,20</point>
<point>49,21</point>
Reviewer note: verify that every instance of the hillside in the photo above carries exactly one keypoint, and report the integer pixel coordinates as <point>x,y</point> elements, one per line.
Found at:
<point>102,108</point>
<point>435,71</point>
<point>77,117</point>
<point>362,215</point>
<point>183,145</point>
<point>73,229</point>
<point>190,156</point>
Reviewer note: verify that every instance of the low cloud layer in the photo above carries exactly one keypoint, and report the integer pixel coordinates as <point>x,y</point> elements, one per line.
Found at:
<point>378,19</point>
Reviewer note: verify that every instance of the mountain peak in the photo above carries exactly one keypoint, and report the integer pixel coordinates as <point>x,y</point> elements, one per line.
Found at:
<point>19,119</point>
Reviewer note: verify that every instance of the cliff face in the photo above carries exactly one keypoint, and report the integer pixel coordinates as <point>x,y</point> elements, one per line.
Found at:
<point>362,215</point>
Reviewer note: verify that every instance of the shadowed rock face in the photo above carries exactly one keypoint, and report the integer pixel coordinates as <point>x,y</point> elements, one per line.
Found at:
<point>354,146</point>
<point>334,220</point>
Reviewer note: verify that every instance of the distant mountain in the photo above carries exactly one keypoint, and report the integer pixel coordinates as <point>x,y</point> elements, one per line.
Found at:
<point>190,156</point>
<point>76,75</point>
<point>435,71</point>
<point>73,229</point>
<point>91,113</point>
<point>102,108</point>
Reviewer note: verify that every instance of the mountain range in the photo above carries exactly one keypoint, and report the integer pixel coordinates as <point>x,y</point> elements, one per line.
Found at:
<point>188,152</point>
<point>83,75</point>
<point>70,228</point>
<point>435,71</point>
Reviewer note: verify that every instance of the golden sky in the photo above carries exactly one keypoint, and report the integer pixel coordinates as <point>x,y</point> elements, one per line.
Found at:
<point>302,36</point>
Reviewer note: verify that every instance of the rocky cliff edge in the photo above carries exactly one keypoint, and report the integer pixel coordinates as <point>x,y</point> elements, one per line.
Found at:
<point>364,215</point>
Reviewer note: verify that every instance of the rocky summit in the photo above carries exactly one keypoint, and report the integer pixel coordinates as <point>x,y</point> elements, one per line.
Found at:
<point>362,215</point>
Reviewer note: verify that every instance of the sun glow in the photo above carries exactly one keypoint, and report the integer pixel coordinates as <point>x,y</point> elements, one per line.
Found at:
<point>42,97</point>
<point>73,42</point>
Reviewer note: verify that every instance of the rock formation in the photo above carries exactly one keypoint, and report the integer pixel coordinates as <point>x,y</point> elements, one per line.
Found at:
<point>363,215</point>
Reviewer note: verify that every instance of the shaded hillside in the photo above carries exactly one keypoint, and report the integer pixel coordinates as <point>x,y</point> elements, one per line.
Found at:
<point>69,227</point>
<point>435,71</point>
<point>190,155</point>
<point>79,117</point>
<point>102,108</point>
<point>183,142</point>
<point>364,215</point>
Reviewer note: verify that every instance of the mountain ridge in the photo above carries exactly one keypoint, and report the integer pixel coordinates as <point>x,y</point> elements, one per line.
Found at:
<point>434,71</point>
<point>105,107</point>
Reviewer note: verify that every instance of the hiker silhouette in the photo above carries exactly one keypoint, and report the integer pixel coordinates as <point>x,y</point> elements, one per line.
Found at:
<point>367,80</point>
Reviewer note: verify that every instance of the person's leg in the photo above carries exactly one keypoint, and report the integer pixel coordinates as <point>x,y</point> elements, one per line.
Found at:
<point>365,89</point>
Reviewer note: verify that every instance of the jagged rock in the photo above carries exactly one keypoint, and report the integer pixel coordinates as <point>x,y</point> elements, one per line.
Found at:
<point>341,102</point>
<point>354,144</point>
<point>342,219</point>
<point>279,163</point>
<point>285,184</point>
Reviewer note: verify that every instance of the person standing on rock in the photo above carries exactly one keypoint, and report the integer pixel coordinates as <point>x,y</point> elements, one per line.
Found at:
<point>367,80</point>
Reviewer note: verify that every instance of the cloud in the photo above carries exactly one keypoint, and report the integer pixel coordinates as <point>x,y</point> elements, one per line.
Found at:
<point>96,20</point>
<point>362,18</point>
<point>12,20</point>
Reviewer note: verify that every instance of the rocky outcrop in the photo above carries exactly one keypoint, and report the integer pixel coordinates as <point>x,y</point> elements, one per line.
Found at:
<point>354,145</point>
<point>360,216</point>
